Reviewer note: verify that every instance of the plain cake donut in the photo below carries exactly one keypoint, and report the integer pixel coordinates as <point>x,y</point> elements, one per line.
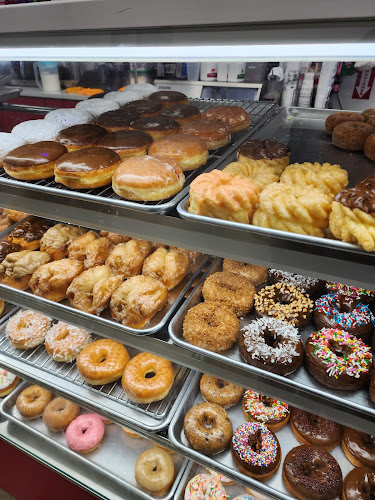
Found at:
<point>255,274</point>
<point>220,392</point>
<point>59,413</point>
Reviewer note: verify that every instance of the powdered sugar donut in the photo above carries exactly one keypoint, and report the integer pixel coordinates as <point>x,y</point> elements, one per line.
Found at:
<point>37,130</point>
<point>64,342</point>
<point>27,329</point>
<point>8,142</point>
<point>97,106</point>
<point>123,97</point>
<point>204,486</point>
<point>69,117</point>
<point>145,89</point>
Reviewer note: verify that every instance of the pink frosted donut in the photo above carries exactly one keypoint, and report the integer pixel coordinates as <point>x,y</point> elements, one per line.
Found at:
<point>85,433</point>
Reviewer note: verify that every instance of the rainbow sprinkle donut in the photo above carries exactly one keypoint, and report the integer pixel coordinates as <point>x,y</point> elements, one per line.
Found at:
<point>337,359</point>
<point>204,486</point>
<point>256,450</point>
<point>259,408</point>
<point>353,291</point>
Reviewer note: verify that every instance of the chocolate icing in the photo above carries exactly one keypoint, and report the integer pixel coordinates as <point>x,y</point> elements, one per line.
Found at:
<point>154,123</point>
<point>316,430</point>
<point>361,446</point>
<point>85,160</point>
<point>180,111</point>
<point>31,229</point>
<point>362,196</point>
<point>82,135</point>
<point>144,106</point>
<point>167,96</point>
<point>259,150</point>
<point>313,473</point>
<point>312,286</point>
<point>372,385</point>
<point>6,248</point>
<point>126,139</point>
<point>359,484</point>
<point>38,153</point>
<point>117,118</point>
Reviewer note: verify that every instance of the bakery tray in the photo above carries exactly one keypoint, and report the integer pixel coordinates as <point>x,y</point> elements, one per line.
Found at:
<point>344,402</point>
<point>223,462</point>
<point>115,457</point>
<point>106,196</point>
<point>37,365</point>
<point>302,129</point>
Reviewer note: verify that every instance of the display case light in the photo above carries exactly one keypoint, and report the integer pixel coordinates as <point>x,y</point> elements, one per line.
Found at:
<point>253,52</point>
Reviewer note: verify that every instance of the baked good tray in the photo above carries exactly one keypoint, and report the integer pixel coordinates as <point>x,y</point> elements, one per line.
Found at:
<point>223,462</point>
<point>110,400</point>
<point>302,129</point>
<point>115,457</point>
<point>106,196</point>
<point>348,403</point>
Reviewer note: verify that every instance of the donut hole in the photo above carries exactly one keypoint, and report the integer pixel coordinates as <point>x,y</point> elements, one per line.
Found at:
<point>84,430</point>
<point>63,334</point>
<point>255,441</point>
<point>220,384</point>
<point>33,397</point>
<point>208,422</point>
<point>271,338</point>
<point>266,400</point>
<point>150,374</point>
<point>346,304</point>
<point>368,440</point>
<point>341,351</point>
<point>313,468</point>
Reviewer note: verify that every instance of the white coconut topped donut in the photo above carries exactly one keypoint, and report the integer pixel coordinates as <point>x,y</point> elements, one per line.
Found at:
<point>69,117</point>
<point>145,89</point>
<point>37,130</point>
<point>97,106</point>
<point>123,97</point>
<point>8,142</point>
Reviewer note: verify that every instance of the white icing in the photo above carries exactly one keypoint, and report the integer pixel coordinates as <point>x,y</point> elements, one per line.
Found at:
<point>122,98</point>
<point>8,142</point>
<point>69,117</point>
<point>97,106</point>
<point>6,378</point>
<point>145,89</point>
<point>37,130</point>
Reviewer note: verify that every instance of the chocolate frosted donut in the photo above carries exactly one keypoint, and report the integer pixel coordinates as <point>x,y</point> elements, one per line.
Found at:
<point>346,313</point>
<point>336,118</point>
<point>312,429</point>
<point>351,136</point>
<point>262,150</point>
<point>181,113</point>
<point>127,143</point>
<point>216,134</point>
<point>361,196</point>
<point>156,126</point>
<point>271,412</point>
<point>29,233</point>
<point>312,473</point>
<point>144,107</point>
<point>6,248</point>
<point>365,296</point>
<point>81,136</point>
<point>169,97</point>
<point>311,286</point>
<point>235,117</point>
<point>359,484</point>
<point>119,119</point>
<point>359,447</point>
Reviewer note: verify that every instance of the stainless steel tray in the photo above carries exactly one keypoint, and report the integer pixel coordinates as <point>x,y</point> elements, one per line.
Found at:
<point>303,130</point>
<point>223,462</point>
<point>114,458</point>
<point>106,196</point>
<point>334,404</point>
<point>64,378</point>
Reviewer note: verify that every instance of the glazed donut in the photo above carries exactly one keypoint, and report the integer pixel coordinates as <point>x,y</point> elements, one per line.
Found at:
<point>144,107</point>
<point>237,118</point>
<point>211,327</point>
<point>312,429</point>
<point>204,486</point>
<point>230,290</point>
<point>284,302</point>
<point>345,313</point>
<point>365,296</point>
<point>168,97</point>
<point>336,118</point>
<point>208,428</point>
<point>359,484</point>
<point>155,126</point>
<point>102,362</point>
<point>8,382</point>
<point>64,342</point>
<point>85,433</point>
<point>126,259</point>
<point>154,471</point>
<point>27,329</point>
<point>214,133</point>
<point>272,345</point>
<point>255,274</point>
<point>369,145</point>
<point>351,136</point>
<point>59,413</point>
<point>147,378</point>
<point>220,392</point>
<point>359,447</point>
<point>168,266</point>
<point>32,401</point>
<point>311,286</point>
<point>311,472</point>
<point>337,359</point>
<point>188,150</point>
<point>258,408</point>
<point>181,113</point>
<point>256,450</point>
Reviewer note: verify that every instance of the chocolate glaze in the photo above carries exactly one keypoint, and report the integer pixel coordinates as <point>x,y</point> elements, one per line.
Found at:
<point>313,473</point>
<point>362,196</point>
<point>144,106</point>
<point>126,139</point>
<point>6,247</point>
<point>359,484</point>
<point>31,229</point>
<point>316,430</point>
<point>85,160</point>
<point>372,386</point>
<point>81,135</point>
<point>267,402</point>
<point>154,123</point>
<point>117,118</point>
<point>180,111</point>
<point>361,446</point>
<point>312,286</point>
<point>168,95</point>
<point>38,153</point>
<point>259,150</point>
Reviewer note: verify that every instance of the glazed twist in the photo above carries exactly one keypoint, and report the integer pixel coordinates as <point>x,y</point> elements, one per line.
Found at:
<point>330,179</point>
<point>292,209</point>
<point>260,175</point>
<point>353,226</point>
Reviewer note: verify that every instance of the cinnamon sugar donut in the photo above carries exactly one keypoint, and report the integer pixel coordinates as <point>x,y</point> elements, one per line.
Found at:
<point>220,392</point>
<point>255,274</point>
<point>64,342</point>
<point>369,145</point>
<point>230,290</point>
<point>59,413</point>
<point>336,118</point>
<point>351,136</point>
<point>32,401</point>
<point>27,329</point>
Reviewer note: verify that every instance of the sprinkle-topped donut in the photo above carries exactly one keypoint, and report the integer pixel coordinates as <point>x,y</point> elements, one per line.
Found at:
<point>259,408</point>
<point>8,382</point>
<point>272,345</point>
<point>365,295</point>
<point>256,450</point>
<point>306,284</point>
<point>204,486</point>
<point>337,359</point>
<point>345,312</point>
